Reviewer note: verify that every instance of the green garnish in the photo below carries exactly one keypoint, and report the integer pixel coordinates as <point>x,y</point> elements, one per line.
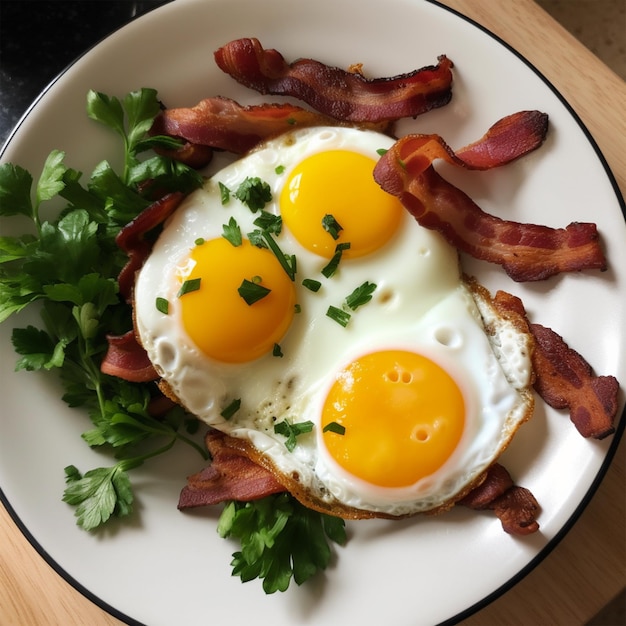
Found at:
<point>338,315</point>
<point>231,409</point>
<point>254,193</point>
<point>224,193</point>
<point>330,269</point>
<point>291,431</point>
<point>232,232</point>
<point>70,265</point>
<point>280,540</point>
<point>361,295</point>
<point>331,226</point>
<point>188,286</point>
<point>269,222</point>
<point>162,305</point>
<point>264,239</point>
<point>252,291</point>
<point>277,351</point>
<point>279,169</point>
<point>199,241</point>
<point>382,151</point>
<point>334,427</point>
<point>311,285</point>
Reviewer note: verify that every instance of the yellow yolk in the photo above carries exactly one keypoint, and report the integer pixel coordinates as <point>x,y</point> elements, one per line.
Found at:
<point>338,183</point>
<point>218,319</point>
<point>403,417</point>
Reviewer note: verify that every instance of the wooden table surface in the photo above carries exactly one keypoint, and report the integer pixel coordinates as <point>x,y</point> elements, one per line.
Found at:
<point>588,568</point>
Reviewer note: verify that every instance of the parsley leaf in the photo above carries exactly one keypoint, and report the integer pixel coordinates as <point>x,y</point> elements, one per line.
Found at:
<point>254,193</point>
<point>280,540</point>
<point>232,232</point>
<point>252,291</point>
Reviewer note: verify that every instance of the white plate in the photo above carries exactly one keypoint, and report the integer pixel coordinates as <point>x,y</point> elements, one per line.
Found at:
<point>165,567</point>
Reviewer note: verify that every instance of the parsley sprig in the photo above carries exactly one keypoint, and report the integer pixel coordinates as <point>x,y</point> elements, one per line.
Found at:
<point>280,540</point>
<point>69,265</point>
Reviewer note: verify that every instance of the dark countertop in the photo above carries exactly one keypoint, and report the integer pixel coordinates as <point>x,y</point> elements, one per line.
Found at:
<point>40,38</point>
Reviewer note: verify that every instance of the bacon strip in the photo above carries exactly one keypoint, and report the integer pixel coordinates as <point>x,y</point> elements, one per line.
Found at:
<point>565,380</point>
<point>224,124</point>
<point>230,476</point>
<point>131,238</point>
<point>515,506</point>
<point>335,92</point>
<point>527,252</point>
<point>126,358</point>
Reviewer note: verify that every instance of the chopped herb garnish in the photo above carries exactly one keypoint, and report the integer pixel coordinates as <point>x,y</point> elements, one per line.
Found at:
<point>232,232</point>
<point>188,286</point>
<point>269,222</point>
<point>163,306</point>
<point>334,427</point>
<point>338,315</point>
<point>256,239</point>
<point>292,121</point>
<point>252,292</point>
<point>331,226</point>
<point>287,262</point>
<point>382,151</point>
<point>199,241</point>
<point>361,295</point>
<point>330,269</point>
<point>297,308</point>
<point>279,169</point>
<point>224,193</point>
<point>254,193</point>
<point>277,351</point>
<point>311,285</point>
<point>231,409</point>
<point>291,431</point>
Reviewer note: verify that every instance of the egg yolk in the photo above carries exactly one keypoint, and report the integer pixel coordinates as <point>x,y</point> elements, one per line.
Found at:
<point>395,417</point>
<point>216,316</point>
<point>340,184</point>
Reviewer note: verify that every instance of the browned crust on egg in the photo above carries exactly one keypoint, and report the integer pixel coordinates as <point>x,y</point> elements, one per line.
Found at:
<point>502,313</point>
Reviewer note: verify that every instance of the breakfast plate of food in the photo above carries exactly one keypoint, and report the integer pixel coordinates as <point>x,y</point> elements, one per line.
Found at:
<point>315,318</point>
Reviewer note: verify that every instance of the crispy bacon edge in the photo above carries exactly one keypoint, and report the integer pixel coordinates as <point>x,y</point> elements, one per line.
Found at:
<point>526,252</point>
<point>233,475</point>
<point>344,95</point>
<point>515,506</point>
<point>224,124</point>
<point>125,356</point>
<point>565,380</point>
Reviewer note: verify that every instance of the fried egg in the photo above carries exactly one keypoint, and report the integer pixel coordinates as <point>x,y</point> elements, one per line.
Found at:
<point>342,342</point>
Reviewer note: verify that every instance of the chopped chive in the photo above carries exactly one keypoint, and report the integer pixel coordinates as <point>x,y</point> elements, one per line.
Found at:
<point>361,295</point>
<point>277,351</point>
<point>297,308</point>
<point>382,151</point>
<point>279,169</point>
<point>199,241</point>
<point>291,431</point>
<point>292,121</point>
<point>163,306</point>
<point>311,285</point>
<point>188,286</point>
<point>330,269</point>
<point>224,193</point>
<point>338,315</point>
<point>288,262</point>
<point>232,232</point>
<point>331,226</point>
<point>334,427</point>
<point>231,409</point>
<point>252,292</point>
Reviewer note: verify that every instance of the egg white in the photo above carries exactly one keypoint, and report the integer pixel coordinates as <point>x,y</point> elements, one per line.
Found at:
<point>420,304</point>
